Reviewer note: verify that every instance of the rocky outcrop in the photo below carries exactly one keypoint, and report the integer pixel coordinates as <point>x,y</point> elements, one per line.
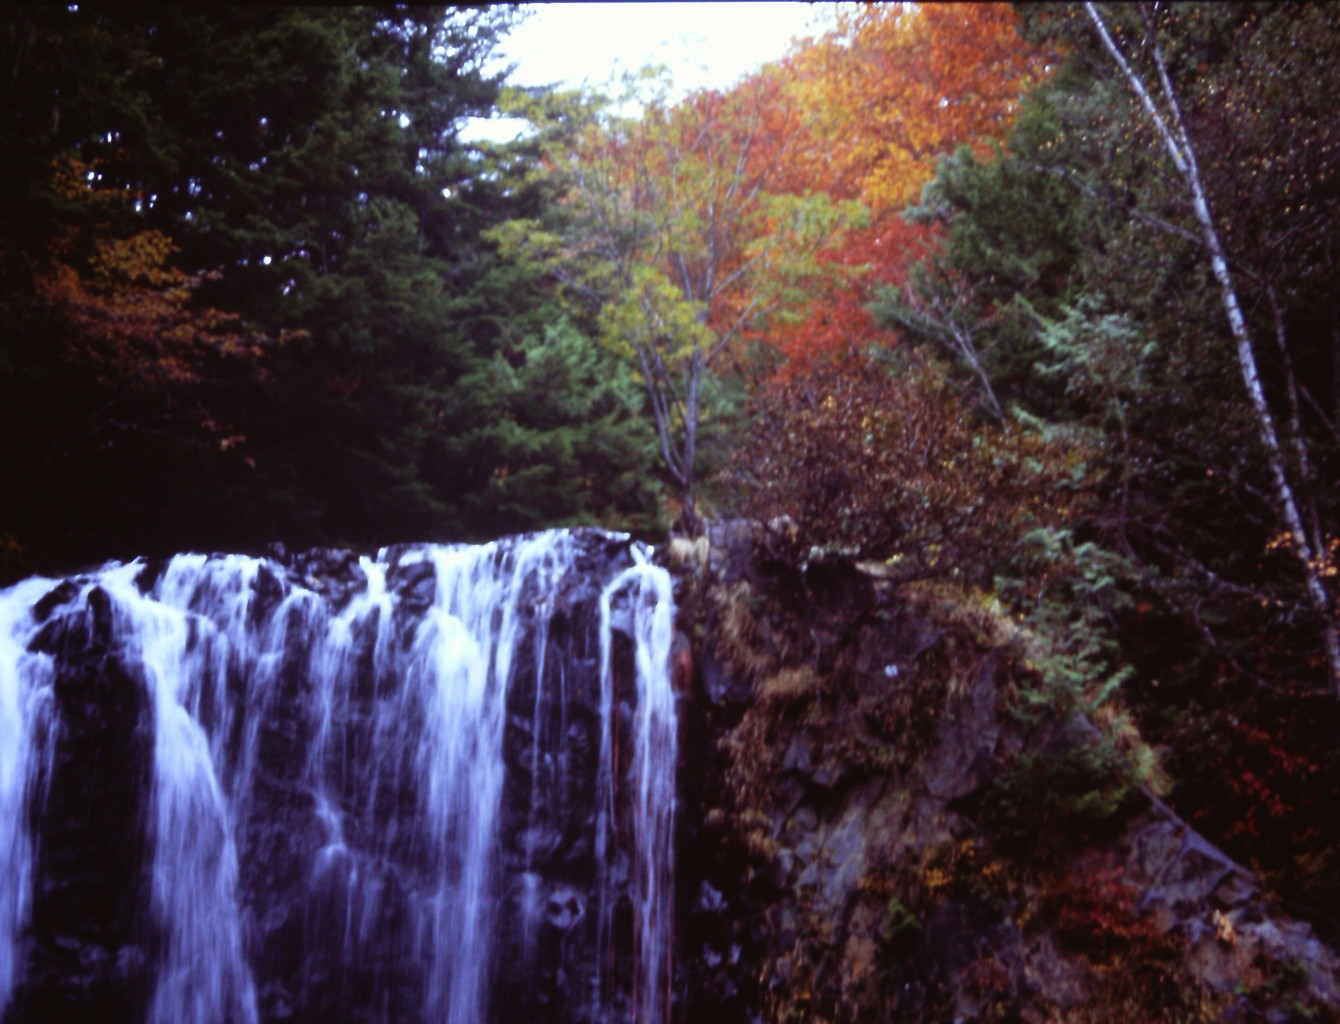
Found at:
<point>880,817</point>
<point>899,834</point>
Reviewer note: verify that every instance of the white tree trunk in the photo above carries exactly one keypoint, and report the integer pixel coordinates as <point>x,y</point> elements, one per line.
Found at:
<point>1172,132</point>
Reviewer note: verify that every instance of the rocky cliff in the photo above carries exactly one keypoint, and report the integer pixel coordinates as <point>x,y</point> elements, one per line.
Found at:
<point>228,803</point>
<point>900,823</point>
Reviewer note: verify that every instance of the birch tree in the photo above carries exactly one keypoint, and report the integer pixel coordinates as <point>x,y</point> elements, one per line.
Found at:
<point>1144,68</point>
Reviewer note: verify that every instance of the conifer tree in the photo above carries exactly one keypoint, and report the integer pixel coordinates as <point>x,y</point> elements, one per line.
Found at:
<point>297,176</point>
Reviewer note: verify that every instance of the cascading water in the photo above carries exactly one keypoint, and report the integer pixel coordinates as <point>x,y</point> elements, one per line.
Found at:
<point>25,696</point>
<point>641,597</point>
<point>436,786</point>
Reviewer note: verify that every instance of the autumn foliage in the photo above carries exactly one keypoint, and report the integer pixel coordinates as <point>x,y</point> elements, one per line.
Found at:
<point>894,86</point>
<point>878,461</point>
<point>880,98</point>
<point>129,319</point>
<point>673,236</point>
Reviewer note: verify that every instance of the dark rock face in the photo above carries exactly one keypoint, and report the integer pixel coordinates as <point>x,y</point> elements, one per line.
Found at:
<point>332,746</point>
<point>851,860</point>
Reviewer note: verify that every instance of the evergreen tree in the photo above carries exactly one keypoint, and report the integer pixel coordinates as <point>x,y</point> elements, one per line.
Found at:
<point>293,227</point>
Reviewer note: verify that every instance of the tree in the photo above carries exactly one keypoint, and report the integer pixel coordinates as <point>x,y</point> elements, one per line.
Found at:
<point>1303,535</point>
<point>895,86</point>
<point>880,98</point>
<point>561,417</point>
<point>977,289</point>
<point>675,242</point>
<point>284,177</point>
<point>1075,259</point>
<point>126,316</point>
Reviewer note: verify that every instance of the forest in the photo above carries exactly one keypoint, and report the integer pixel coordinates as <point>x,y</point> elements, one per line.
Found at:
<point>1034,305</point>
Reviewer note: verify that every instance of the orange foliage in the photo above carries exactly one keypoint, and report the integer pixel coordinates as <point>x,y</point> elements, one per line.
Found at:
<point>127,314</point>
<point>837,318</point>
<point>860,115</point>
<point>881,97</point>
<point>895,86</point>
<point>697,191</point>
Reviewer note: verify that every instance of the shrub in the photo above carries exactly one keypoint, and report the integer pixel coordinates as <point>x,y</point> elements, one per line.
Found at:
<point>876,457</point>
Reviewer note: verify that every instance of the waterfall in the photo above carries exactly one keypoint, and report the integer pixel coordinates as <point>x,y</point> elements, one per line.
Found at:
<point>641,596</point>
<point>25,696</point>
<point>435,785</point>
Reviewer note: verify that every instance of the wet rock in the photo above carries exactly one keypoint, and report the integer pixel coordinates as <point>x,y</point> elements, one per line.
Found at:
<point>563,909</point>
<point>414,582</point>
<point>336,881</point>
<point>89,919</point>
<point>62,593</point>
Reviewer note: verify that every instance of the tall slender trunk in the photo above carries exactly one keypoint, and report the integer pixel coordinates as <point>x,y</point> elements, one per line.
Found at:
<point>1172,131</point>
<point>689,512</point>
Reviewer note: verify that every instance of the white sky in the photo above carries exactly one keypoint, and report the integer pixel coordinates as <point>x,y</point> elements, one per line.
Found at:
<point>704,44</point>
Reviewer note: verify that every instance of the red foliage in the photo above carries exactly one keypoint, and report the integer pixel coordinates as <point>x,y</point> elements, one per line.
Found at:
<point>880,99</point>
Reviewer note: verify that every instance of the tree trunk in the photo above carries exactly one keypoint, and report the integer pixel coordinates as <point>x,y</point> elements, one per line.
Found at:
<point>1172,132</point>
